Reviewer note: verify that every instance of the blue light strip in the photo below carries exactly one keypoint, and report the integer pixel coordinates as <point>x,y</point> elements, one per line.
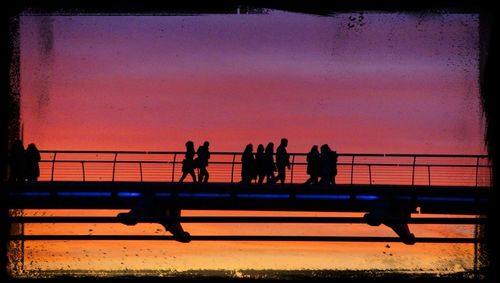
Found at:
<point>446,199</point>
<point>203,195</point>
<point>129,194</point>
<point>31,194</point>
<point>346,197</point>
<point>367,197</point>
<point>264,196</point>
<point>84,194</point>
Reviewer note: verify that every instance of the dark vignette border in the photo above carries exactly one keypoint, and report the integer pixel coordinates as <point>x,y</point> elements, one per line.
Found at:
<point>9,95</point>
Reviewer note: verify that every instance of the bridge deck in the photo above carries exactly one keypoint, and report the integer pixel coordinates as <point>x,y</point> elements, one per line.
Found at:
<point>226,196</point>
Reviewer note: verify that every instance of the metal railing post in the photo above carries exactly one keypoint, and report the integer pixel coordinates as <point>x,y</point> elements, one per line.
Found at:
<point>291,170</point>
<point>53,165</point>
<point>140,169</point>
<point>83,170</point>
<point>173,167</point>
<point>114,166</point>
<point>413,171</point>
<point>370,172</point>
<point>477,169</point>
<point>352,168</point>
<point>232,168</point>
<point>429,173</point>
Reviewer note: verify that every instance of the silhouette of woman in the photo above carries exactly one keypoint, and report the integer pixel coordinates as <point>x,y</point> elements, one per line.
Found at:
<point>260,164</point>
<point>247,165</point>
<point>16,159</point>
<point>326,165</point>
<point>188,162</point>
<point>203,157</point>
<point>270,166</point>
<point>31,159</point>
<point>313,165</point>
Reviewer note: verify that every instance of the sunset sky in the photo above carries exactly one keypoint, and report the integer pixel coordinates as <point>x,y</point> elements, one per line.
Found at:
<point>396,84</point>
<point>363,83</point>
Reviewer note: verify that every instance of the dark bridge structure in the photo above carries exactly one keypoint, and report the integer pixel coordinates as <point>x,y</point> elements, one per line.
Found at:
<point>388,188</point>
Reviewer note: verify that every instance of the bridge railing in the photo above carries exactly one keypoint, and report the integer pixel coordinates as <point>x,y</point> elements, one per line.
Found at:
<point>375,169</point>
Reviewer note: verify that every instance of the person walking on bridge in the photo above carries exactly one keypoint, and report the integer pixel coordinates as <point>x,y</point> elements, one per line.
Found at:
<point>313,166</point>
<point>260,164</point>
<point>188,162</point>
<point>32,157</point>
<point>269,165</point>
<point>282,161</point>
<point>247,165</point>
<point>203,157</point>
<point>328,165</point>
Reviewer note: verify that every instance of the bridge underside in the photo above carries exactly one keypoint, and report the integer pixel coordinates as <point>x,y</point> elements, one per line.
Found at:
<point>225,196</point>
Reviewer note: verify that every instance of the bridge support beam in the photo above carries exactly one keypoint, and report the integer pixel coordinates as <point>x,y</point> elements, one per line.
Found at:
<point>389,212</point>
<point>148,207</point>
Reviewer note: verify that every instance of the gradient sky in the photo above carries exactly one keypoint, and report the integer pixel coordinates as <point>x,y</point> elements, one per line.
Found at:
<point>372,83</point>
<point>398,83</point>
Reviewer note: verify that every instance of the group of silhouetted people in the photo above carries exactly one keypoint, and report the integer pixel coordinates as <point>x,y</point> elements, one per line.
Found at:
<point>24,163</point>
<point>321,166</point>
<point>189,164</point>
<point>262,165</point>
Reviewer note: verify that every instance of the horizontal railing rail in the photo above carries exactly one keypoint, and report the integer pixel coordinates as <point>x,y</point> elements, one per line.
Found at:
<point>259,238</point>
<point>245,219</point>
<point>353,168</point>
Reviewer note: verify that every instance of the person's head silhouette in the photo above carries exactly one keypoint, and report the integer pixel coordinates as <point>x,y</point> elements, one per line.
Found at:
<point>206,144</point>
<point>314,148</point>
<point>190,145</point>
<point>325,148</point>
<point>249,148</point>
<point>32,147</point>
<point>270,147</point>
<point>260,148</point>
<point>284,142</point>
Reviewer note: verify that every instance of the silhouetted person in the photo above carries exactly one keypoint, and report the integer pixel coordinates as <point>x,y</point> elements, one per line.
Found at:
<point>16,160</point>
<point>188,162</point>
<point>326,165</point>
<point>247,165</point>
<point>203,157</point>
<point>260,164</point>
<point>282,161</point>
<point>313,165</point>
<point>197,161</point>
<point>31,159</point>
<point>270,166</point>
